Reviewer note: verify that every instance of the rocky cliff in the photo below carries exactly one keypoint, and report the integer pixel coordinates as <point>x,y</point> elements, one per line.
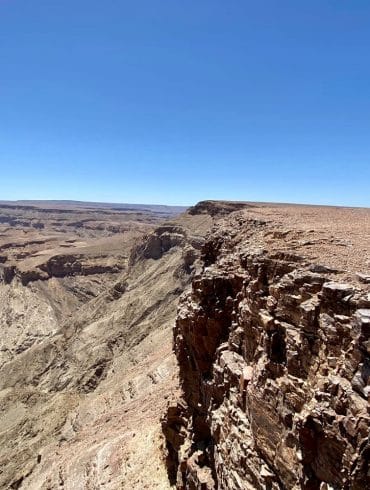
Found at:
<point>273,347</point>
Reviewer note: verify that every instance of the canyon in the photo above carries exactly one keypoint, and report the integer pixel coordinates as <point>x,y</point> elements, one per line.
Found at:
<point>221,347</point>
<point>86,317</point>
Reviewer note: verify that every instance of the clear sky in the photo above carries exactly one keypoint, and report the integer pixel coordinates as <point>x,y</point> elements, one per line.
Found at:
<point>174,101</point>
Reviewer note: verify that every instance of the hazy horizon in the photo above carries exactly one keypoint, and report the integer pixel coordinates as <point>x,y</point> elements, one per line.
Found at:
<point>159,205</point>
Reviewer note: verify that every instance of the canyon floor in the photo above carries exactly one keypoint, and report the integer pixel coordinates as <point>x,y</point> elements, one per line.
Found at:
<point>89,296</point>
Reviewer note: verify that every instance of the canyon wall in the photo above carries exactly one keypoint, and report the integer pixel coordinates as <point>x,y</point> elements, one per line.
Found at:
<point>273,347</point>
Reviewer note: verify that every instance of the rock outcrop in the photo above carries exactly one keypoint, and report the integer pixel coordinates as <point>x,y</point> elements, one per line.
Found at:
<point>154,245</point>
<point>274,358</point>
<point>218,208</point>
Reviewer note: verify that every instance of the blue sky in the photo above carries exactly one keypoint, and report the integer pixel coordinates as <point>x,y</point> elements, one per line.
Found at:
<point>171,101</point>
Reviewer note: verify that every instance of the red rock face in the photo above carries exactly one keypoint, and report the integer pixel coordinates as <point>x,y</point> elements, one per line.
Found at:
<point>274,366</point>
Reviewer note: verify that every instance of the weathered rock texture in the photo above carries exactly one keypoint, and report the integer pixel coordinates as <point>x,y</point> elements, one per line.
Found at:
<point>85,353</point>
<point>274,355</point>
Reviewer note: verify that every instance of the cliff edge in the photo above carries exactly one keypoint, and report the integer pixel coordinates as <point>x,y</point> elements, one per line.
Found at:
<point>273,347</point>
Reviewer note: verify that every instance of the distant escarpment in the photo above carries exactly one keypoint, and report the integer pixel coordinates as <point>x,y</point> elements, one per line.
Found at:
<point>273,346</point>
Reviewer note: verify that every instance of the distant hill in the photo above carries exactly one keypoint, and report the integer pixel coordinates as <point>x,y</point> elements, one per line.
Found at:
<point>153,208</point>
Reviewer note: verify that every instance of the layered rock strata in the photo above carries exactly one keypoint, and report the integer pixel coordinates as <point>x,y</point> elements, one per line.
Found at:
<point>86,362</point>
<point>274,358</point>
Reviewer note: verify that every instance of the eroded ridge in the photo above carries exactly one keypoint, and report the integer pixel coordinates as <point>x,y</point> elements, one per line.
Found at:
<point>273,351</point>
